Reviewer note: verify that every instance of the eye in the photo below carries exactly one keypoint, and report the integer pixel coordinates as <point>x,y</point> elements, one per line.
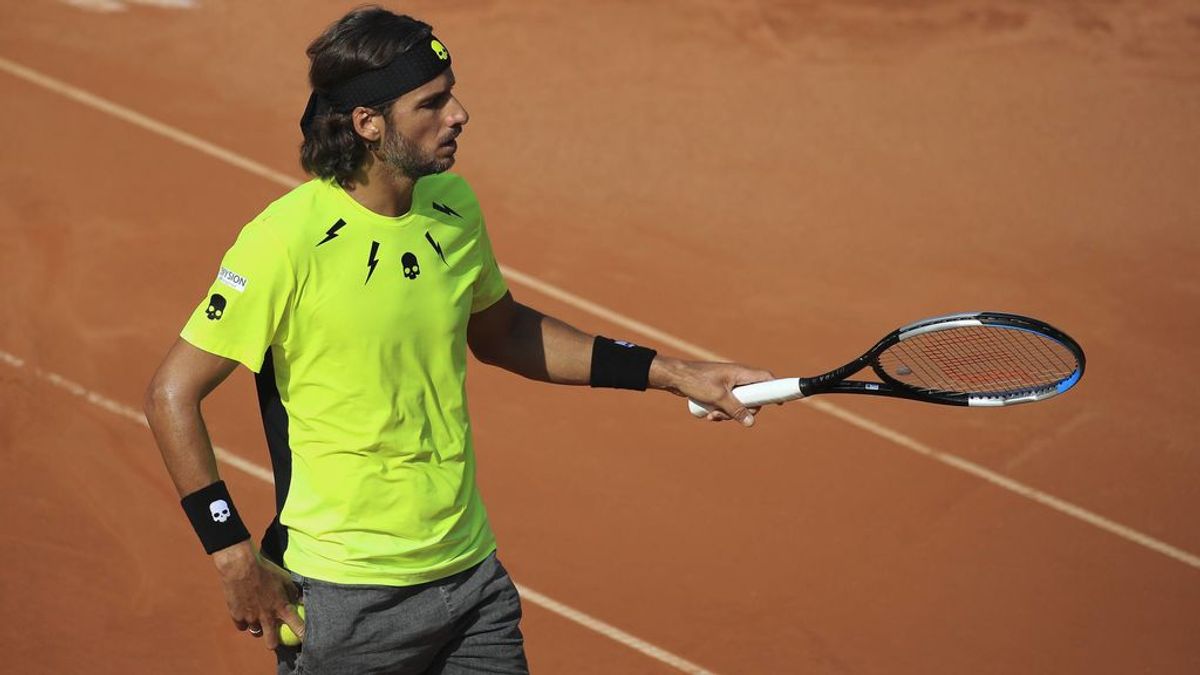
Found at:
<point>437,101</point>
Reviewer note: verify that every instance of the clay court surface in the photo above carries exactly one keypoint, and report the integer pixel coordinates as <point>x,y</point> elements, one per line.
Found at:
<point>776,182</point>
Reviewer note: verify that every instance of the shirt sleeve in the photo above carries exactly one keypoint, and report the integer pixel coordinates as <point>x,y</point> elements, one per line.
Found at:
<point>489,285</point>
<point>241,315</point>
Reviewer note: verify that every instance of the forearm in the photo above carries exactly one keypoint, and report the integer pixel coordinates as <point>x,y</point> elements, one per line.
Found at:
<point>547,349</point>
<point>182,439</point>
<point>187,452</point>
<point>543,348</point>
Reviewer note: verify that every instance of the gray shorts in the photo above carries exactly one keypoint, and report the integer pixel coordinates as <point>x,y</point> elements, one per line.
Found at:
<point>465,623</point>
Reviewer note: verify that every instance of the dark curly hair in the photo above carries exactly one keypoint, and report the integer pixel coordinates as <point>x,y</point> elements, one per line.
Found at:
<point>365,39</point>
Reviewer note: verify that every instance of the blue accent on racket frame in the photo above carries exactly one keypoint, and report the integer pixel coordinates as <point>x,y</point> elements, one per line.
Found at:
<point>1061,386</point>
<point>1069,382</point>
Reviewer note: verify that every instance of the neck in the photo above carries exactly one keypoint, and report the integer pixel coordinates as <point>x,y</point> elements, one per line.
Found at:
<point>381,190</point>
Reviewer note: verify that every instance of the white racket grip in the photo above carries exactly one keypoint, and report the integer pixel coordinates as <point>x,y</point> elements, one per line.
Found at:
<point>759,393</point>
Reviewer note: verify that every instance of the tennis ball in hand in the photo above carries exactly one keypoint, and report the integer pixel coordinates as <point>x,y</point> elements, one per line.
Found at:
<point>286,636</point>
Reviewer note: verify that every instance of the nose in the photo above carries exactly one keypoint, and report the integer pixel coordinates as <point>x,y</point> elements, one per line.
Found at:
<point>458,115</point>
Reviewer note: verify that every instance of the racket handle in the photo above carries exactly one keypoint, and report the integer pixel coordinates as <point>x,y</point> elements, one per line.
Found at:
<point>757,394</point>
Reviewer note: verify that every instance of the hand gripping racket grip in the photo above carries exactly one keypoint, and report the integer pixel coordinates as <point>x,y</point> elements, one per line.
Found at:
<point>759,393</point>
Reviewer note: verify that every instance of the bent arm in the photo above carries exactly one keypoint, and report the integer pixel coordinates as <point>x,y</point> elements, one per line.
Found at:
<point>256,591</point>
<point>172,406</point>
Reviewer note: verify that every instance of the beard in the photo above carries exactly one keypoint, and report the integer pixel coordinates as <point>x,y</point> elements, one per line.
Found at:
<point>404,158</point>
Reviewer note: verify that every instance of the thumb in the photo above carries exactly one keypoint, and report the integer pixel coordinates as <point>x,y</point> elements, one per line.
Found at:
<point>734,408</point>
<point>293,616</point>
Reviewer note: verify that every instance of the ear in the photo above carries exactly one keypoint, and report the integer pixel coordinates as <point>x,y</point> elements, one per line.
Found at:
<point>368,123</point>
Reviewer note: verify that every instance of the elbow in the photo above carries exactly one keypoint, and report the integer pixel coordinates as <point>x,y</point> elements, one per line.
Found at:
<point>161,396</point>
<point>153,399</point>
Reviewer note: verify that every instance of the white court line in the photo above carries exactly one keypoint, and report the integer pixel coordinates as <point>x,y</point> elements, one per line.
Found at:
<point>122,410</point>
<point>945,458</point>
<point>166,4</point>
<point>262,473</point>
<point>149,124</point>
<point>100,6</point>
<point>606,630</point>
<point>110,6</point>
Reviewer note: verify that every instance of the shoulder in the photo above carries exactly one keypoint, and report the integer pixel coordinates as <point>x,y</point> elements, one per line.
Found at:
<point>287,224</point>
<point>294,214</point>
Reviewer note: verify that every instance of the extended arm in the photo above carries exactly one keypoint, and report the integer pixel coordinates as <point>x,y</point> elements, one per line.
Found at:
<point>522,340</point>
<point>257,591</point>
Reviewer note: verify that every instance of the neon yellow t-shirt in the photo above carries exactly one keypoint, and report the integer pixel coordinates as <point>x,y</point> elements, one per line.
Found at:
<point>356,325</point>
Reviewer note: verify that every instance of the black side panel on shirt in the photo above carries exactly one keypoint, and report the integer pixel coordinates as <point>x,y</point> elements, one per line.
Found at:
<point>275,424</point>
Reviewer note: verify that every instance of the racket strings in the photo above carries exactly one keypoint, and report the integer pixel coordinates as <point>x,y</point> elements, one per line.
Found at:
<point>979,360</point>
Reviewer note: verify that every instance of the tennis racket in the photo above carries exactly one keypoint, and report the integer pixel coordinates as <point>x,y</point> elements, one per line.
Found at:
<point>978,359</point>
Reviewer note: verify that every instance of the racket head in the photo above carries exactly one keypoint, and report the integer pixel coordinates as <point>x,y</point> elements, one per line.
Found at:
<point>981,359</point>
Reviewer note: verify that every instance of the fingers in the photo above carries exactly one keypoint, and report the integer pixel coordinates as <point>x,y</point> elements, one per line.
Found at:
<point>247,624</point>
<point>270,631</point>
<point>734,409</point>
<point>253,626</point>
<point>292,618</point>
<point>750,376</point>
<point>266,626</point>
<point>264,620</point>
<point>729,406</point>
<point>718,416</point>
<point>260,601</point>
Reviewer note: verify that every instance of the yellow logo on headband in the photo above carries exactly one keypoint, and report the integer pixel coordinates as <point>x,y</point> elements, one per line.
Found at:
<point>439,49</point>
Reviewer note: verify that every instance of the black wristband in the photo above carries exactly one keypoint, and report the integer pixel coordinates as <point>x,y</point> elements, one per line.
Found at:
<point>620,365</point>
<point>214,517</point>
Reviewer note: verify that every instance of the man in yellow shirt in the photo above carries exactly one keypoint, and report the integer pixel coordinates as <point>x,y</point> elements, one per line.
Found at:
<point>354,298</point>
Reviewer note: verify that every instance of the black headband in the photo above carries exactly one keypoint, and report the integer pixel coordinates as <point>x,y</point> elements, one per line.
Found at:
<point>419,64</point>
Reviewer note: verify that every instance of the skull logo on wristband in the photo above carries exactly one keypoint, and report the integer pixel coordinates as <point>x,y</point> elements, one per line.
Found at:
<point>219,510</point>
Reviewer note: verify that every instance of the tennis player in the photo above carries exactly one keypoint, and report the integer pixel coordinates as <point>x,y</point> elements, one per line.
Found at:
<point>354,298</point>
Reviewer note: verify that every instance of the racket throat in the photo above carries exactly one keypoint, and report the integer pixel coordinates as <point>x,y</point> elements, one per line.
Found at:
<point>828,382</point>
